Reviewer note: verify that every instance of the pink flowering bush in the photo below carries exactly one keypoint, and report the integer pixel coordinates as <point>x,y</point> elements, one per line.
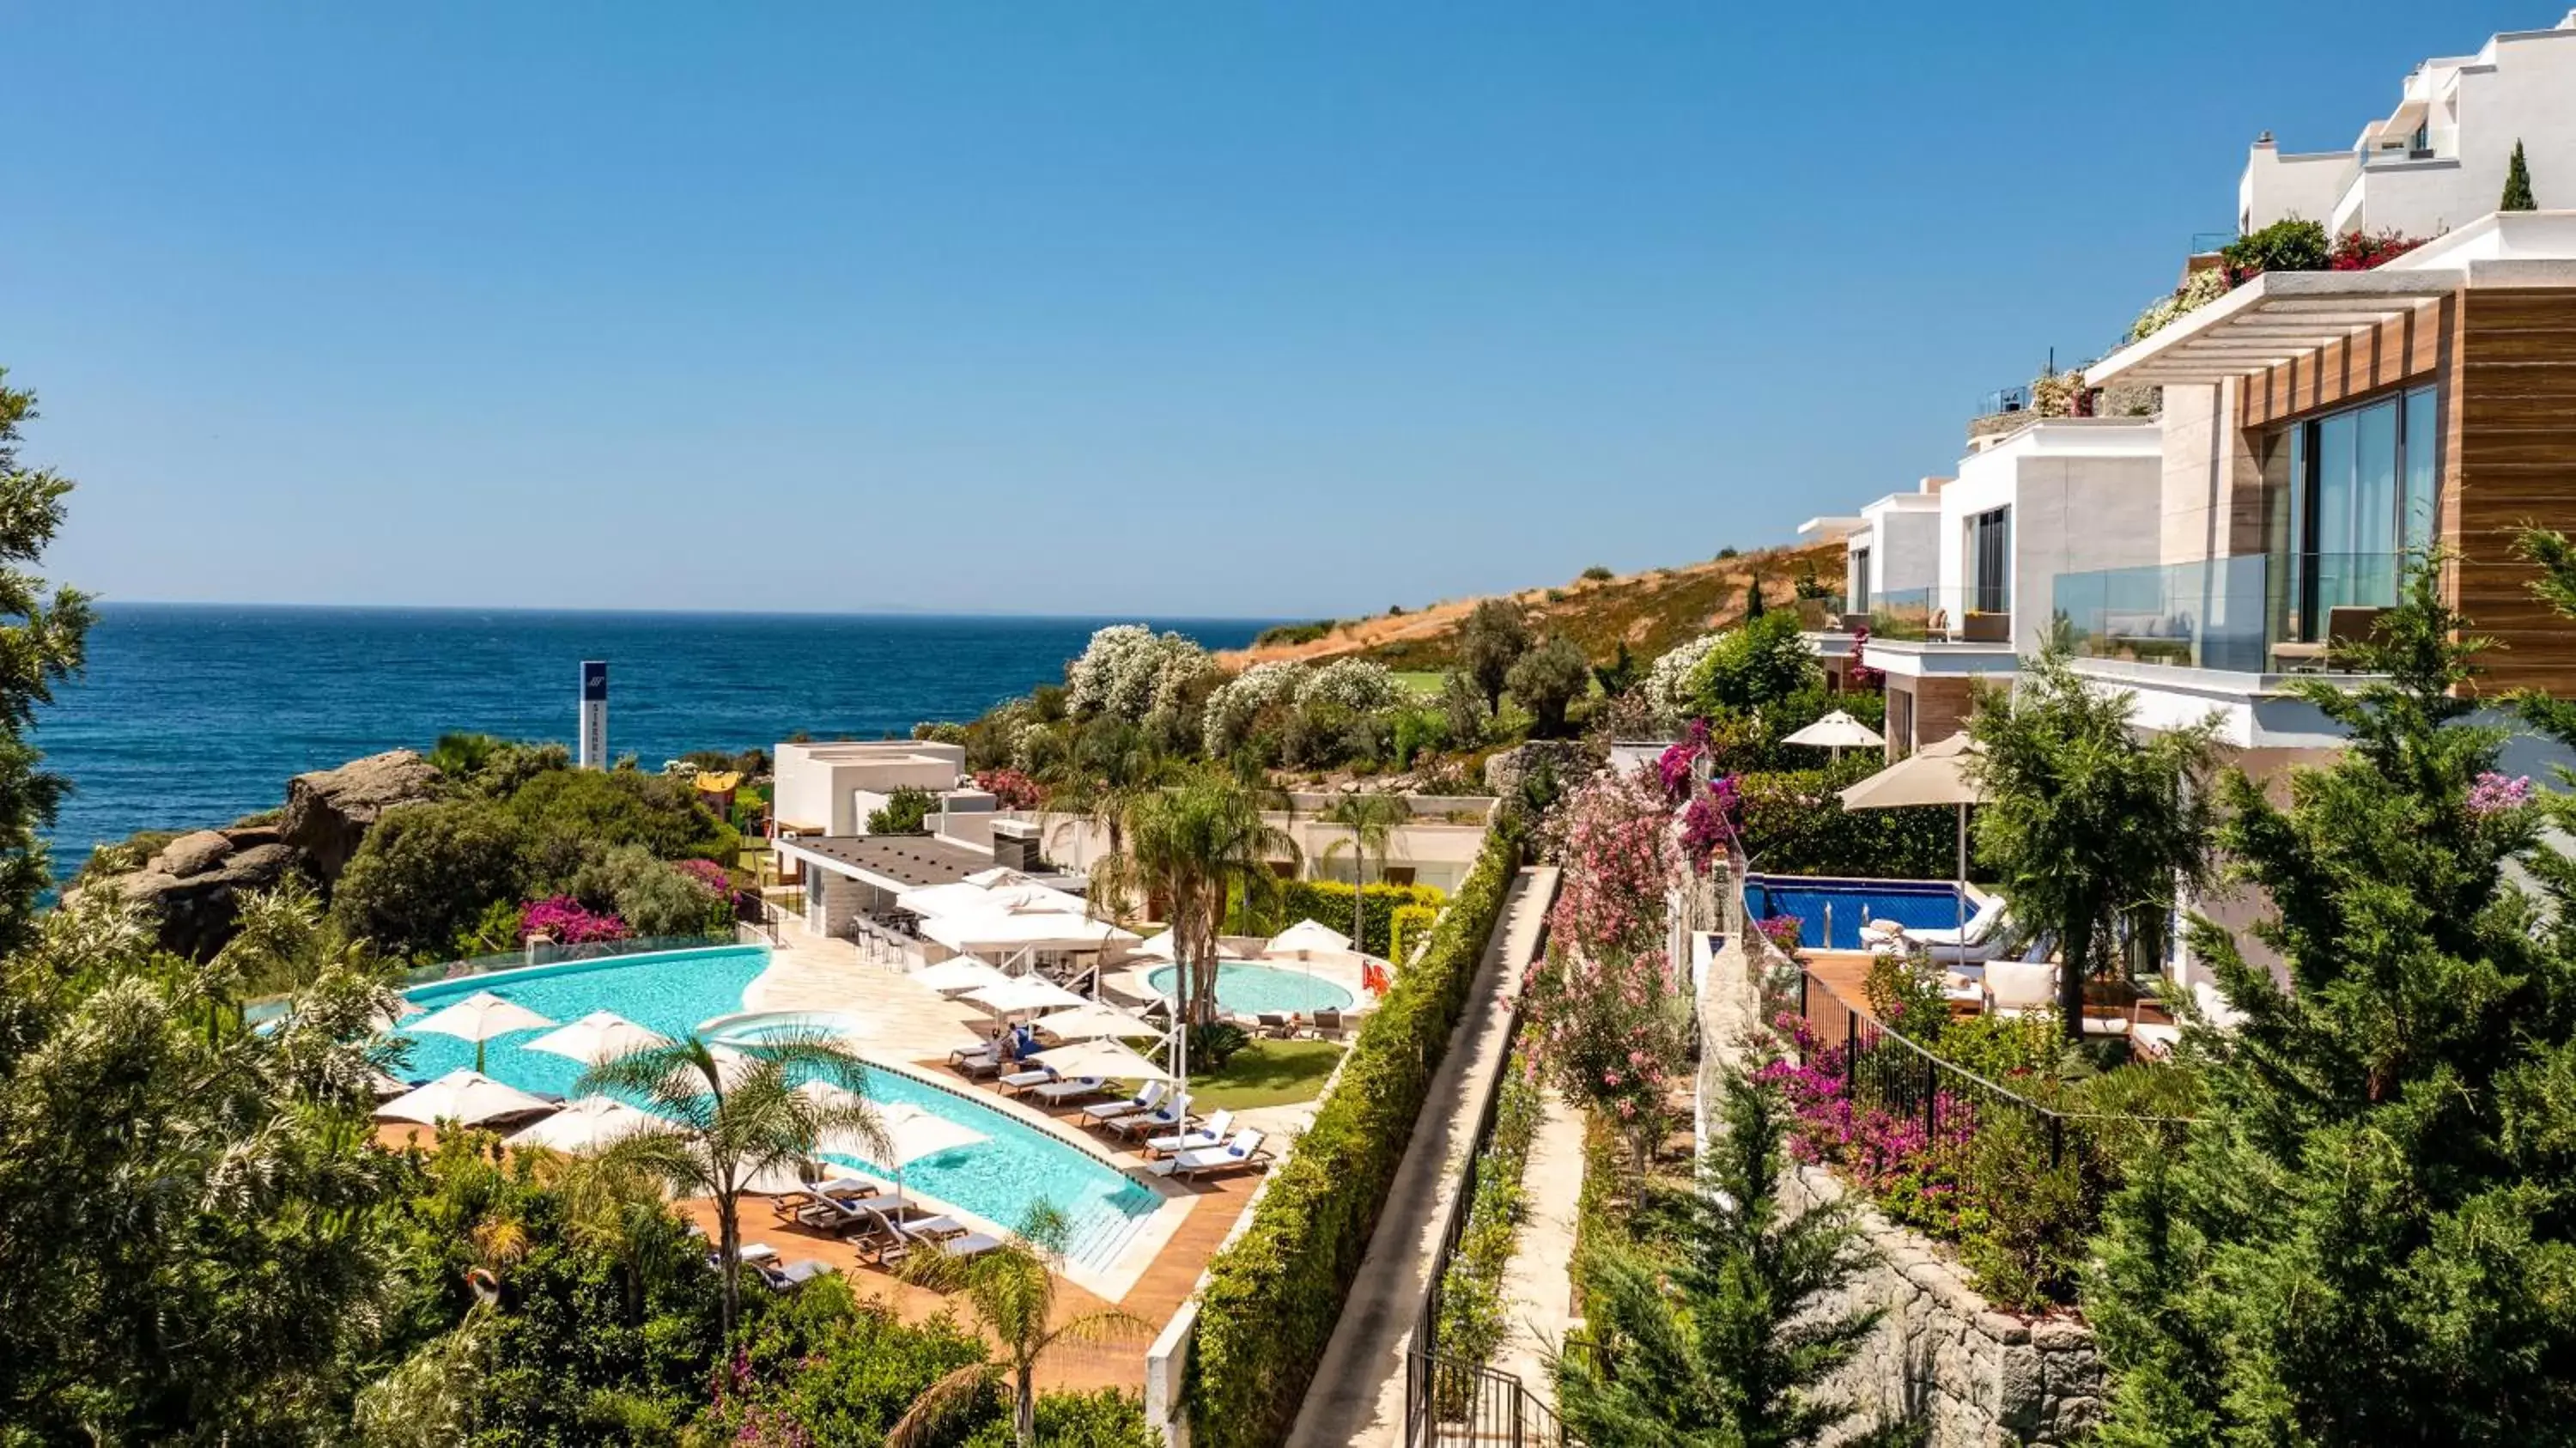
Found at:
<point>1673,766</point>
<point>1913,1174</point>
<point>562,919</point>
<point>1609,1034</point>
<point>1011,788</point>
<point>1711,822</point>
<point>2495,794</point>
<point>1614,835</point>
<point>1784,931</point>
<point>707,873</point>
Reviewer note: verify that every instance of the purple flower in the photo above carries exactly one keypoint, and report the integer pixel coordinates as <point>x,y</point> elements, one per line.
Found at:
<point>2493,794</point>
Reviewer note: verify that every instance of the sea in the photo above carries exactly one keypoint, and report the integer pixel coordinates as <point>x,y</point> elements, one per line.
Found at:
<point>192,715</point>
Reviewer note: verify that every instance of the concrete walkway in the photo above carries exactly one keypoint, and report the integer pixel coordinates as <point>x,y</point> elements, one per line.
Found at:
<point>1358,1394</point>
<point>1538,1286</point>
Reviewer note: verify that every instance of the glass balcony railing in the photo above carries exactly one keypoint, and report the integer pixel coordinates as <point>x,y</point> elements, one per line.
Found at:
<point>1949,615</point>
<point>2252,614</point>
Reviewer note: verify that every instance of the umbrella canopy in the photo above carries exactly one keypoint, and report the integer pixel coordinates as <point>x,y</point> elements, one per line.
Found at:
<point>480,1017</point>
<point>1104,1058</point>
<point>391,1016</point>
<point>599,1036</point>
<point>913,1132</point>
<point>964,973</point>
<point>585,1125</point>
<point>964,897</point>
<point>1009,930</point>
<point>469,1097</point>
<point>1836,730</point>
<point>1088,1022</point>
<point>1024,993</point>
<point>1309,935</point>
<point>1934,774</point>
<point>1164,947</point>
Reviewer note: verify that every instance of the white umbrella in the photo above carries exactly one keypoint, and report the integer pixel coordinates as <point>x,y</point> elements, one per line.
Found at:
<point>469,1097</point>
<point>1023,993</point>
<point>585,1125</point>
<point>964,898</point>
<point>1836,731</point>
<point>1085,1022</point>
<point>599,1036</point>
<point>1103,1058</point>
<point>964,973</point>
<point>478,1018</point>
<point>1937,773</point>
<point>1164,947</point>
<point>911,1132</point>
<point>1309,935</point>
<point>1004,931</point>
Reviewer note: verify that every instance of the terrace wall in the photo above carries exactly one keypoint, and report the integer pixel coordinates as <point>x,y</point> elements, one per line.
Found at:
<point>1979,1377</point>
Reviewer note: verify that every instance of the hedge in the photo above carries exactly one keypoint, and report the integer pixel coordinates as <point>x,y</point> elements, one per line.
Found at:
<point>1271,1300</point>
<point>1328,902</point>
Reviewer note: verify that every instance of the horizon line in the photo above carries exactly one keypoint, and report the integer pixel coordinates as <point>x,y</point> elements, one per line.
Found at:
<point>645,612</point>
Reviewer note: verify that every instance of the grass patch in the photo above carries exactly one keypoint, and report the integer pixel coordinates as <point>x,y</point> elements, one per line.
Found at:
<point>1266,1073</point>
<point>1423,683</point>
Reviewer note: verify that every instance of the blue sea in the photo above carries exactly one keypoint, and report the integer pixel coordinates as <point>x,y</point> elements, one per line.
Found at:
<point>193,715</point>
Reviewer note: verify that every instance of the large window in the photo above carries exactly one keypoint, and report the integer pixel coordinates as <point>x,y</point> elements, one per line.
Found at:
<point>1990,562</point>
<point>2359,490</point>
<point>1859,589</point>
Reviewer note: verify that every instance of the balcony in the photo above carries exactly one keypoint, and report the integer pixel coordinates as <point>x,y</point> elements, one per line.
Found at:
<point>2253,614</point>
<point>1941,615</point>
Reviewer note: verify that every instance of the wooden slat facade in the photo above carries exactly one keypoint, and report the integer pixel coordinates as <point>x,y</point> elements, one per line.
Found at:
<point>2506,362</point>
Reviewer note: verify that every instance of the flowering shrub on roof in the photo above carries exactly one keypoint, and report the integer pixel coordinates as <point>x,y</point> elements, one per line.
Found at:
<point>2198,290</point>
<point>1011,788</point>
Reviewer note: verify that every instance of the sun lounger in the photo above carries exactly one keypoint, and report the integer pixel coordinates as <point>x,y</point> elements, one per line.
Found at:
<point>1325,1023</point>
<point>982,1051</point>
<point>1243,1151</point>
<point>1162,1118</point>
<point>791,1276</point>
<point>1103,1112</point>
<point>1019,1081</point>
<point>2159,1038</point>
<point>1056,1093</point>
<point>1277,1025</point>
<point>943,1234</point>
<point>1989,935</point>
<point>1207,1133</point>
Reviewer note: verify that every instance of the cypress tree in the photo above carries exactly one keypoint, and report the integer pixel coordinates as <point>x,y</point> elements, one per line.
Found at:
<point>2365,1237</point>
<point>2517,184</point>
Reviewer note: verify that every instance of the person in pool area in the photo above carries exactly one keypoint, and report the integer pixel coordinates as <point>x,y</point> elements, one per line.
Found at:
<point>1024,1043</point>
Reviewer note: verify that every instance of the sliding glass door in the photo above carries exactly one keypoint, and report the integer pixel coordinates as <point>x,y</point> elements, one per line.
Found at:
<point>2362,492</point>
<point>1990,561</point>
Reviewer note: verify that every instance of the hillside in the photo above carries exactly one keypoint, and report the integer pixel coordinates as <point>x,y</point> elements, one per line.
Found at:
<point>1649,611</point>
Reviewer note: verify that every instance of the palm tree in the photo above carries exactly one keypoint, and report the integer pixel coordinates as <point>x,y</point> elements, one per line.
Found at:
<point>1192,847</point>
<point>720,1135</point>
<point>1013,1289</point>
<point>1372,818</point>
<point>1110,765</point>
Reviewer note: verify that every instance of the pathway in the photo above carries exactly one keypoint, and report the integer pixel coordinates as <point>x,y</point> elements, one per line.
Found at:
<point>1539,1285</point>
<point>1358,1392</point>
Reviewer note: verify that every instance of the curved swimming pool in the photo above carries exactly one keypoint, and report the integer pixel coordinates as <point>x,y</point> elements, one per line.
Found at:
<point>1248,990</point>
<point>999,1179</point>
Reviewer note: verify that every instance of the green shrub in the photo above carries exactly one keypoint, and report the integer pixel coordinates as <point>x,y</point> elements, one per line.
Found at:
<point>1270,1300</point>
<point>1328,902</point>
<point>1407,927</point>
<point>1597,574</point>
<point>1214,1044</point>
<point>650,895</point>
<point>1793,825</point>
<point>2027,1244</point>
<point>426,874</point>
<point>1288,635</point>
<point>2289,244</point>
<point>1105,1419</point>
<point>907,811</point>
<point>1754,664</point>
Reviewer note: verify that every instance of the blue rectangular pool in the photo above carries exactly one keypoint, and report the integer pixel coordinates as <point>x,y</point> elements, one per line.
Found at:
<point>1851,904</point>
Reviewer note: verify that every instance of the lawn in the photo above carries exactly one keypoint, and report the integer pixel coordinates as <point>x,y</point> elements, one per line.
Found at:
<point>1423,683</point>
<point>1266,1073</point>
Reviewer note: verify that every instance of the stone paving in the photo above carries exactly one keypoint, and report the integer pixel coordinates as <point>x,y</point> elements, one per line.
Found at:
<point>1538,1286</point>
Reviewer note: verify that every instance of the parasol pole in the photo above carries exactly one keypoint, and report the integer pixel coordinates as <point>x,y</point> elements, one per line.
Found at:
<point>1960,901</point>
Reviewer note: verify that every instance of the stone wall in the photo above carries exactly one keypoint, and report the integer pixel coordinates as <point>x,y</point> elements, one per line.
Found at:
<point>1978,1376</point>
<point>1981,1378</point>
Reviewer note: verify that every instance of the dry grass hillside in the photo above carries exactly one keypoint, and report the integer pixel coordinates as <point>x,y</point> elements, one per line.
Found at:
<point>1650,611</point>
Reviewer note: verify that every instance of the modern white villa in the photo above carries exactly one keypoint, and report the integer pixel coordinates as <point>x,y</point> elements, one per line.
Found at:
<point>2437,162</point>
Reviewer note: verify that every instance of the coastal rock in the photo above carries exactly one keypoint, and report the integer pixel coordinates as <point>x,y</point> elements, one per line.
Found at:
<point>328,811</point>
<point>197,911</point>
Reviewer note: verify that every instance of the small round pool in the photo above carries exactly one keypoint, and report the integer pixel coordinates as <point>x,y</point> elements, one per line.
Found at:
<point>1249,990</point>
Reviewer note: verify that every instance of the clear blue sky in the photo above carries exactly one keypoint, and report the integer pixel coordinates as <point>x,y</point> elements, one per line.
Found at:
<point>1279,309</point>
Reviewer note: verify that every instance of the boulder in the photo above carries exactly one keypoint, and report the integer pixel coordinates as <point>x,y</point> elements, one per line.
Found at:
<point>329,811</point>
<point>198,910</point>
<point>191,854</point>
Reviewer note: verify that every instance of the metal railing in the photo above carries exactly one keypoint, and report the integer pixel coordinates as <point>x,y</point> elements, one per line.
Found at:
<point>560,955</point>
<point>2004,400</point>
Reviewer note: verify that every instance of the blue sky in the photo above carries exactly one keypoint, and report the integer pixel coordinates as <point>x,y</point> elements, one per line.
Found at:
<point>1289,309</point>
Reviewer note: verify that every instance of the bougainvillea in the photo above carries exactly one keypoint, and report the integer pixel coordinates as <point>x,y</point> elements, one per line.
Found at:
<point>707,873</point>
<point>1011,788</point>
<point>1673,766</point>
<point>1856,674</point>
<point>2363,250</point>
<point>1784,931</point>
<point>1910,1169</point>
<point>562,919</point>
<point>1614,835</point>
<point>1713,821</point>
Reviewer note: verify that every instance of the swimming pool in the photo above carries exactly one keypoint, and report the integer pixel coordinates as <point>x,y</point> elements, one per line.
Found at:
<point>998,1179</point>
<point>1917,904</point>
<point>1248,990</point>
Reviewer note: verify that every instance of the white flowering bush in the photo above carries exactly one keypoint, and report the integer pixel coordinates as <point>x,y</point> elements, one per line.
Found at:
<point>1242,699</point>
<point>1033,745</point>
<point>1669,686</point>
<point>2198,290</point>
<point>1359,685</point>
<point>1128,670</point>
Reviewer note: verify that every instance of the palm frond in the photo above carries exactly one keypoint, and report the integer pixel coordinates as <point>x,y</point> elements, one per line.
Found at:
<point>930,1414</point>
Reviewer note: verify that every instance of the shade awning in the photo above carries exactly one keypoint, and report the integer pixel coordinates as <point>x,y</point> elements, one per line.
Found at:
<point>2272,319</point>
<point>599,1036</point>
<point>1087,1022</point>
<point>1935,774</point>
<point>1106,1059</point>
<point>1009,931</point>
<point>1024,993</point>
<point>586,1125</point>
<point>959,973</point>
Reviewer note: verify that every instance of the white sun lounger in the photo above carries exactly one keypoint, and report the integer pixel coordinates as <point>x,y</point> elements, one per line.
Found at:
<point>1058,1092</point>
<point>1207,1133</point>
<point>1243,1151</point>
<point>1170,1114</point>
<point>1101,1113</point>
<point>1034,1076</point>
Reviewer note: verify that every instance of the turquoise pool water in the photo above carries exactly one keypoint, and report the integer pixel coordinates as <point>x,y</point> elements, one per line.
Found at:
<point>1249,990</point>
<point>999,1178</point>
